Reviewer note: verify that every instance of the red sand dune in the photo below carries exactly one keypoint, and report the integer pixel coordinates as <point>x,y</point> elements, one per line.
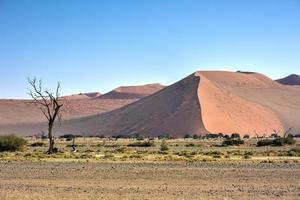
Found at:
<point>82,95</point>
<point>132,92</point>
<point>292,79</point>
<point>15,112</point>
<point>204,102</point>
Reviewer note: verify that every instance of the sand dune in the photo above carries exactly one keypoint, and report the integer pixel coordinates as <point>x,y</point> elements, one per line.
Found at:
<point>16,112</point>
<point>204,102</point>
<point>82,95</point>
<point>132,92</point>
<point>292,79</point>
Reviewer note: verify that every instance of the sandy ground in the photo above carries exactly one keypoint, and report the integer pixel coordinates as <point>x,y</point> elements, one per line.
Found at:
<point>44,180</point>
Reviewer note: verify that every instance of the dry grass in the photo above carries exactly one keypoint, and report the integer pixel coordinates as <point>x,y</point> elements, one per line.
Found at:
<point>194,150</point>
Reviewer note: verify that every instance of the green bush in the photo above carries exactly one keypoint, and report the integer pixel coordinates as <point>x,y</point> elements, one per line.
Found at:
<point>11,143</point>
<point>141,144</point>
<point>265,142</point>
<point>294,152</point>
<point>164,146</point>
<point>235,135</point>
<point>232,142</point>
<point>276,142</point>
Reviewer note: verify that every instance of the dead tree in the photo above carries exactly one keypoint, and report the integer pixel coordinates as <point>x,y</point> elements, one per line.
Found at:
<point>50,105</point>
<point>286,133</point>
<point>73,143</point>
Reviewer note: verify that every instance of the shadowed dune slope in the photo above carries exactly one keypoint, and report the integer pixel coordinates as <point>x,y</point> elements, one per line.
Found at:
<point>204,102</point>
<point>292,79</point>
<point>174,110</point>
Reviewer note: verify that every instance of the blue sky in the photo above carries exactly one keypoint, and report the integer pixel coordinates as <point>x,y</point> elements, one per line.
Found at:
<point>99,45</point>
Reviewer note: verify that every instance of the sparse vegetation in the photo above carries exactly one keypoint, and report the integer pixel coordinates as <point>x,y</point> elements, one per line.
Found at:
<point>276,142</point>
<point>37,144</point>
<point>264,142</point>
<point>11,143</point>
<point>141,144</point>
<point>190,145</point>
<point>232,142</point>
<point>97,149</point>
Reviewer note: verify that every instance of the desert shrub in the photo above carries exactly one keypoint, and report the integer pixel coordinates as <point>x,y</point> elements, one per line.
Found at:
<point>111,145</point>
<point>190,145</point>
<point>248,154</point>
<point>120,136</point>
<point>214,154</point>
<point>226,136</point>
<point>195,136</point>
<point>135,156</point>
<point>276,142</point>
<point>38,144</point>
<point>274,135</point>
<point>164,146</point>
<point>187,136</point>
<point>232,142</point>
<point>161,137</point>
<point>211,135</point>
<point>11,143</point>
<point>121,150</point>
<point>265,142</point>
<point>246,136</point>
<point>66,136</point>
<point>141,144</point>
<point>294,151</point>
<point>235,135</point>
<point>217,156</point>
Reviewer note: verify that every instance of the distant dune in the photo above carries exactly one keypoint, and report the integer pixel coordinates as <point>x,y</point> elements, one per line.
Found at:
<point>82,95</point>
<point>16,112</point>
<point>292,79</point>
<point>204,102</point>
<point>132,92</point>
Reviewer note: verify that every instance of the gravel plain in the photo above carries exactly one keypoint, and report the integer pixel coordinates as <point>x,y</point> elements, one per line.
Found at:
<point>164,180</point>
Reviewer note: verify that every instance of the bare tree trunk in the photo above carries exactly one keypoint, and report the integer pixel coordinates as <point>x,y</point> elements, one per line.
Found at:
<point>73,144</point>
<point>51,139</point>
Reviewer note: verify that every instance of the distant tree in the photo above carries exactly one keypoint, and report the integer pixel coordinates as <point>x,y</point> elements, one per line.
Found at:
<point>187,136</point>
<point>287,132</point>
<point>195,136</point>
<point>49,104</point>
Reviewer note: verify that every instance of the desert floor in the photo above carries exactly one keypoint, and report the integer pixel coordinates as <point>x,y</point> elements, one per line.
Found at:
<point>148,180</point>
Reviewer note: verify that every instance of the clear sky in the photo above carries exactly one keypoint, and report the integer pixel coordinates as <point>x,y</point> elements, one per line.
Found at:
<point>99,45</point>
